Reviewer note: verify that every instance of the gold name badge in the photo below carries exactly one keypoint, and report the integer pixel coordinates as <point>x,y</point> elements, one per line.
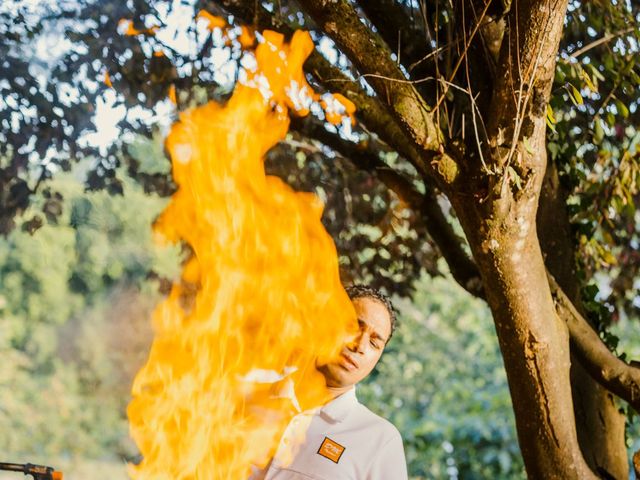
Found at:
<point>331,450</point>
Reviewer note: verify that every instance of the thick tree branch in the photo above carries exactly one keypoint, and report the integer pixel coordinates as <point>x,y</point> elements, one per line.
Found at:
<point>524,77</point>
<point>372,57</point>
<point>614,374</point>
<point>363,155</point>
<point>462,268</point>
<point>369,110</point>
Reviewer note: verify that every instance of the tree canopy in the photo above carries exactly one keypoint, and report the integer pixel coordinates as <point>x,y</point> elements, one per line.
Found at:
<point>49,102</point>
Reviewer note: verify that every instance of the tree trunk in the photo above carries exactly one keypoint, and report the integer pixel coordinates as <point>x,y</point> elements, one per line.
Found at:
<point>599,422</point>
<point>533,340</point>
<point>502,233</point>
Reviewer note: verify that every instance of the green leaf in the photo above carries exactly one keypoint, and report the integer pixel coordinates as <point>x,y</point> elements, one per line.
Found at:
<point>551,120</point>
<point>513,175</point>
<point>590,291</point>
<point>628,197</point>
<point>608,62</point>
<point>598,134</point>
<point>609,258</point>
<point>550,115</point>
<point>595,72</point>
<point>587,80</point>
<point>527,145</point>
<point>554,149</point>
<point>575,96</point>
<point>622,109</point>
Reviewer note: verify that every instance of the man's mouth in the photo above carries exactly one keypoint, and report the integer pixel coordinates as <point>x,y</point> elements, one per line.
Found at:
<point>348,362</point>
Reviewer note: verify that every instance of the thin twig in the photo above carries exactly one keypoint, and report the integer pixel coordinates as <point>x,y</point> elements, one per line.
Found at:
<point>436,27</point>
<point>473,107</point>
<point>381,77</point>
<point>464,53</point>
<point>522,102</point>
<point>599,41</point>
<point>608,97</point>
<point>431,54</point>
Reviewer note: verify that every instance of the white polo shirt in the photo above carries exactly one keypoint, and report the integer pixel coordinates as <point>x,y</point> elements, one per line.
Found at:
<point>343,440</point>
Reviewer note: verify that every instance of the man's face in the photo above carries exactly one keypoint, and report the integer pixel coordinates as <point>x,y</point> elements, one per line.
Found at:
<point>359,357</point>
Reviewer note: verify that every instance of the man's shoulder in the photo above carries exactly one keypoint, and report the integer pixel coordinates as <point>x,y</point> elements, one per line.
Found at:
<point>380,425</point>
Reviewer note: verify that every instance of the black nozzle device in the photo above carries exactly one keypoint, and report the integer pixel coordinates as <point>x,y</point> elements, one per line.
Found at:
<point>38,472</point>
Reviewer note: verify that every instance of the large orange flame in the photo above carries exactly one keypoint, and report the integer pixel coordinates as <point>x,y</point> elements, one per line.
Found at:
<point>218,386</point>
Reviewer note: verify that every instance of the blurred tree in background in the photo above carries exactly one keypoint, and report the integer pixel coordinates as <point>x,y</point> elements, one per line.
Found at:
<point>74,310</point>
<point>63,62</point>
<point>75,302</point>
<point>76,298</point>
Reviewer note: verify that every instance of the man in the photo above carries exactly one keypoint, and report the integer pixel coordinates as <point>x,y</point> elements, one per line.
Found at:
<point>343,439</point>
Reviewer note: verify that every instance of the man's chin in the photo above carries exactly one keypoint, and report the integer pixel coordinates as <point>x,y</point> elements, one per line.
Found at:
<point>336,376</point>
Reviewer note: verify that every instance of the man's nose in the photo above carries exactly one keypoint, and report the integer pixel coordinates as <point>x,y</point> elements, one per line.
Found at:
<point>356,343</point>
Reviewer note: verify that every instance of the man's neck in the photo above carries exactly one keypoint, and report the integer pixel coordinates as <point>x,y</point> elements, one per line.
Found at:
<point>335,392</point>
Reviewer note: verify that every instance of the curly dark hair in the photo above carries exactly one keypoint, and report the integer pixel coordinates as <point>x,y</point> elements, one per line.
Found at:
<point>363,291</point>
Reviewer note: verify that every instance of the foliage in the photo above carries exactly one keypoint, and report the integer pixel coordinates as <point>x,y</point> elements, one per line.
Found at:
<point>55,58</point>
<point>379,240</point>
<point>595,142</point>
<point>593,113</point>
<point>140,77</point>
<point>74,305</point>
<point>64,385</point>
<point>628,342</point>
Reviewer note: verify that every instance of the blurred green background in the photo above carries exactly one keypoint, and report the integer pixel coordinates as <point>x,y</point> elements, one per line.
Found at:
<point>75,303</point>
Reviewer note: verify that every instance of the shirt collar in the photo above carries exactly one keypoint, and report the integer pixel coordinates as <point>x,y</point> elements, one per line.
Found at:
<point>337,409</point>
